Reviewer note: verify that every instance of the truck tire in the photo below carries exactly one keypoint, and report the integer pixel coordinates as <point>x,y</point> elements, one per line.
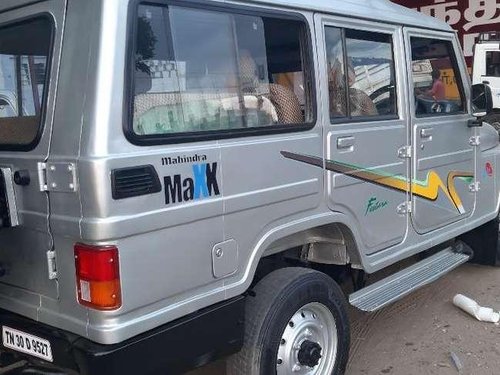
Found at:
<point>485,242</point>
<point>493,119</point>
<point>296,322</point>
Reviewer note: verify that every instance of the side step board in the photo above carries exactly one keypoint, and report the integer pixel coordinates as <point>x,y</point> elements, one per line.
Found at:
<point>402,283</point>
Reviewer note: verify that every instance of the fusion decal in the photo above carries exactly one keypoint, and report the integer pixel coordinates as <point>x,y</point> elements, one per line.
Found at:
<point>374,205</point>
<point>427,189</point>
<point>201,184</point>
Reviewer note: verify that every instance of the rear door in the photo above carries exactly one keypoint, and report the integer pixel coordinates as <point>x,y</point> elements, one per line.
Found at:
<point>30,39</point>
<point>443,164</point>
<point>365,126</point>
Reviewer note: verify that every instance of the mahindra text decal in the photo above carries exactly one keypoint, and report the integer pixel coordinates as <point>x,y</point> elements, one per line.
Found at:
<point>199,184</point>
<point>183,159</point>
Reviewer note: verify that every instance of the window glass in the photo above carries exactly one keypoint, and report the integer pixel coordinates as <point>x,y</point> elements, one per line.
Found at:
<point>366,67</point>
<point>436,77</point>
<point>370,71</point>
<point>198,71</point>
<point>24,52</point>
<point>336,72</point>
<point>493,64</point>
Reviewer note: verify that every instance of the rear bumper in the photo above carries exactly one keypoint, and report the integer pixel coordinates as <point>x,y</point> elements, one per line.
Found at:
<point>187,343</point>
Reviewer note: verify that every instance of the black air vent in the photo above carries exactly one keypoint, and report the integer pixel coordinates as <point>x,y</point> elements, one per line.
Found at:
<point>134,181</point>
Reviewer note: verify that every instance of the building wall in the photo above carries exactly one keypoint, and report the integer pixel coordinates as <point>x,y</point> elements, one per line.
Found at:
<point>468,17</point>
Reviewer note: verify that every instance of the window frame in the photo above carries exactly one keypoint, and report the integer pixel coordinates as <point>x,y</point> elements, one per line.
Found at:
<point>349,119</point>
<point>44,104</point>
<point>455,64</point>
<point>190,137</point>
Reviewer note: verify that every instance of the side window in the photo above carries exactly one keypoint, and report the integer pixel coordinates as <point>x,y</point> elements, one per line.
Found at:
<point>436,78</point>
<point>24,54</point>
<point>370,74</point>
<point>245,72</point>
<point>366,67</point>
<point>493,64</point>
<point>336,72</point>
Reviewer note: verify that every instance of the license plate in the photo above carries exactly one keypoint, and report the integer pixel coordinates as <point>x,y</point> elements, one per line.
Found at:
<point>26,343</point>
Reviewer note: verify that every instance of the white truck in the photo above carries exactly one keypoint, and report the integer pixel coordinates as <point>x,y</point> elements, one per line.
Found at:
<point>486,69</point>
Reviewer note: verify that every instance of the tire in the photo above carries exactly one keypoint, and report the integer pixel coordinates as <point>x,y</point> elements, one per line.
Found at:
<point>493,119</point>
<point>294,314</point>
<point>484,241</point>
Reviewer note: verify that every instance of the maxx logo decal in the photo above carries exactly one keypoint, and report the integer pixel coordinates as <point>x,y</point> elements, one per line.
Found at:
<point>201,184</point>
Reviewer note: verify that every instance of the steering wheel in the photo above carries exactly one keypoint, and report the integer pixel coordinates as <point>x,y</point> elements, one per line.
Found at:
<point>381,104</point>
<point>436,107</point>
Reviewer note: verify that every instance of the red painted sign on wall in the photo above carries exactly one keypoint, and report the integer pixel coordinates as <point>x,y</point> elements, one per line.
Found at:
<point>468,17</point>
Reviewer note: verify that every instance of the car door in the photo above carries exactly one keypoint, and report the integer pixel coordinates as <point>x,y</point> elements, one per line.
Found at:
<point>30,39</point>
<point>365,126</point>
<point>443,176</point>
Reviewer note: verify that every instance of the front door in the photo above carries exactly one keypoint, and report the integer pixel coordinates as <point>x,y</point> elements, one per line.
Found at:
<point>364,115</point>
<point>443,173</point>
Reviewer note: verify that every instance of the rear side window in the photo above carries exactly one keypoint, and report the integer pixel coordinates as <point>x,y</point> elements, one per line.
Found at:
<point>436,78</point>
<point>205,72</point>
<point>361,74</point>
<point>24,60</point>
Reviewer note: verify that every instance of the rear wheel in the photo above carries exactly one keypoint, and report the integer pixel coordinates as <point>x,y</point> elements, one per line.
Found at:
<point>296,323</point>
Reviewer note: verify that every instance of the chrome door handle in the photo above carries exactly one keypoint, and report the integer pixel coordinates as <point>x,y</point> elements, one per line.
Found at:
<point>426,133</point>
<point>345,142</point>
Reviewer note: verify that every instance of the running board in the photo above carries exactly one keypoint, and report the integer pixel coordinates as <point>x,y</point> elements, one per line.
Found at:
<point>402,283</point>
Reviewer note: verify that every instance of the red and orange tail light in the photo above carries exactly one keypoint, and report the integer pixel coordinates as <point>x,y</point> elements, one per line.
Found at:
<point>98,276</point>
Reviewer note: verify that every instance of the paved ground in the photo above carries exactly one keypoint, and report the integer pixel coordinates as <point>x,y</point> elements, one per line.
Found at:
<point>416,335</point>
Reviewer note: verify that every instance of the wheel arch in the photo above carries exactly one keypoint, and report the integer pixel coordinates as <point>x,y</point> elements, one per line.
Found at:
<point>331,243</point>
<point>299,233</point>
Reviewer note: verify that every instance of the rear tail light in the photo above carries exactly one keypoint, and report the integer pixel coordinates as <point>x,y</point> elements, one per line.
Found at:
<point>98,276</point>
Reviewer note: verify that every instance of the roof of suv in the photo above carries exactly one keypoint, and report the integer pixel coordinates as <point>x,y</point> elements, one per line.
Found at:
<point>8,4</point>
<point>381,10</point>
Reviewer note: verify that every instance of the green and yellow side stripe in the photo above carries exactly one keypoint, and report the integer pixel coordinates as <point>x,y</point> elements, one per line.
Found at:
<point>428,189</point>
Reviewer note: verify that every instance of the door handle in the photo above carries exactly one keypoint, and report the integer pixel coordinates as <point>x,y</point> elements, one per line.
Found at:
<point>345,142</point>
<point>426,133</point>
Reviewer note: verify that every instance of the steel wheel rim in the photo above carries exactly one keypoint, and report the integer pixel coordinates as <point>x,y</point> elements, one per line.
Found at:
<point>313,323</point>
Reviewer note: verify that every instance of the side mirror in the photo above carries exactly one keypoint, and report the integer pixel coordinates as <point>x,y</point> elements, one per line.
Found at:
<point>482,100</point>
